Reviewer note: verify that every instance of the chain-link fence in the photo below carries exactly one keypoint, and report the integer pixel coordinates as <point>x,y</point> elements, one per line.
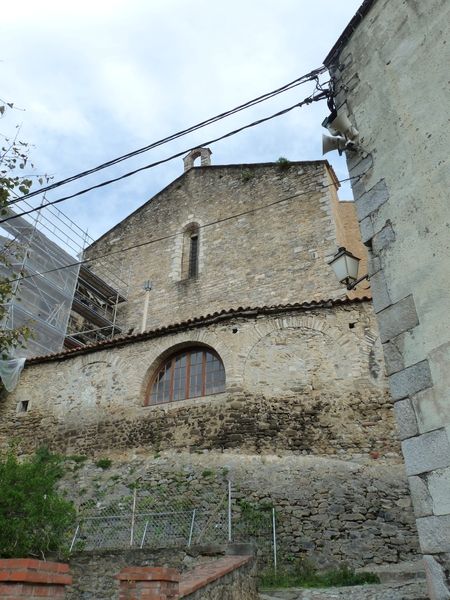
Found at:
<point>154,519</point>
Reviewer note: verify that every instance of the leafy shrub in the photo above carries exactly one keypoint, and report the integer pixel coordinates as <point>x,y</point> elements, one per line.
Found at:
<point>103,463</point>
<point>33,516</point>
<point>208,473</point>
<point>283,163</point>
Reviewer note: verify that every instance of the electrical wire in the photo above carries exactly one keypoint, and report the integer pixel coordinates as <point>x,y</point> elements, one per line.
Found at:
<point>311,76</point>
<point>173,235</point>
<point>309,100</point>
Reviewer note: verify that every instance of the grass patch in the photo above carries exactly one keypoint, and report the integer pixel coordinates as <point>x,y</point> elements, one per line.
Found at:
<point>207,473</point>
<point>103,463</point>
<point>307,576</point>
<point>77,458</point>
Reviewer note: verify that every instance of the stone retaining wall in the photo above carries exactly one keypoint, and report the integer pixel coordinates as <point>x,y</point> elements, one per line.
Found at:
<point>328,510</point>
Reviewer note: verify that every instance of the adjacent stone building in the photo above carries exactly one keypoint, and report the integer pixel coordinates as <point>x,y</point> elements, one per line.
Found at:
<point>390,73</point>
<point>242,345</point>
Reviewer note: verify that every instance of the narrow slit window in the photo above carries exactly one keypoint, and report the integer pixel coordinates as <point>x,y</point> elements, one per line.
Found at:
<point>193,255</point>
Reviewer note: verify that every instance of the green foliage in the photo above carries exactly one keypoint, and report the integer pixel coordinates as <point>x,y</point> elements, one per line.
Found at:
<point>33,516</point>
<point>255,518</point>
<point>305,575</point>
<point>247,175</point>
<point>77,458</point>
<point>208,473</point>
<point>103,463</point>
<point>283,162</point>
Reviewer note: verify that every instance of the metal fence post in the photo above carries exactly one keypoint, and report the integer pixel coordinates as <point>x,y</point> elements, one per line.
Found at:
<point>74,537</point>
<point>274,533</point>
<point>144,534</point>
<point>229,511</point>
<point>191,531</point>
<point>133,517</point>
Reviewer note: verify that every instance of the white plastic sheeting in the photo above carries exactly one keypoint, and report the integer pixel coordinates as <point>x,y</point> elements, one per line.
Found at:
<point>10,371</point>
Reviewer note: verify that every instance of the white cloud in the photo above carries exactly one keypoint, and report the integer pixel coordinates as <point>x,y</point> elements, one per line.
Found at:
<point>98,79</point>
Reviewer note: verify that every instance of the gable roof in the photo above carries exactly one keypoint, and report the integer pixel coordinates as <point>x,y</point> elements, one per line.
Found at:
<point>200,169</point>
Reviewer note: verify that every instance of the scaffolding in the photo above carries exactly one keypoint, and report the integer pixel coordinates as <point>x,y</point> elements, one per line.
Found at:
<point>65,304</point>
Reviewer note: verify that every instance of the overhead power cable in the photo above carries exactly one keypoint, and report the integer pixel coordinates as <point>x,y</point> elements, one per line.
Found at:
<point>173,235</point>
<point>309,100</point>
<point>312,76</point>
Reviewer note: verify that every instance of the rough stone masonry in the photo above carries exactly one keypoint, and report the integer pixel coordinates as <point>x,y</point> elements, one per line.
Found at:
<point>384,64</point>
<point>302,361</point>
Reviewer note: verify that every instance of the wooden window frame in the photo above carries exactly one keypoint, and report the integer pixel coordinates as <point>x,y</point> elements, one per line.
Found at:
<point>171,361</point>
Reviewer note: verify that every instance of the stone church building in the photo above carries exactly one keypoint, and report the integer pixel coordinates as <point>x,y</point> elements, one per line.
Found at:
<point>241,344</point>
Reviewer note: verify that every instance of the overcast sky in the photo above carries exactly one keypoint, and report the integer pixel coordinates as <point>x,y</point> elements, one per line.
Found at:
<point>99,79</point>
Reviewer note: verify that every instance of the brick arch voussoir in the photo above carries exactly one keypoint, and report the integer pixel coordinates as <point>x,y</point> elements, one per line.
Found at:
<point>312,322</point>
<point>165,347</point>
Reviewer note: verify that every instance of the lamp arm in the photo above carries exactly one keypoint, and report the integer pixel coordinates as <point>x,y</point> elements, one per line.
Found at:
<point>351,286</point>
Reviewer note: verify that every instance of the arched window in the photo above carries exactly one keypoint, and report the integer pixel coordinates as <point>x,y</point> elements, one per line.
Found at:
<point>191,247</point>
<point>190,373</point>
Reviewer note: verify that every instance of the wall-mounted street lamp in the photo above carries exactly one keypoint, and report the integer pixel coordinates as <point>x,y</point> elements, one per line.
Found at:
<point>345,266</point>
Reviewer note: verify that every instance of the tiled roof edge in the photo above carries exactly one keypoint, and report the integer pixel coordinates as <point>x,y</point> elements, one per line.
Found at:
<point>200,169</point>
<point>201,321</point>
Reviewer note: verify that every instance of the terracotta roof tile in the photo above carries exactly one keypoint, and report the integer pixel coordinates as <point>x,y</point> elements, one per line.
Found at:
<point>223,315</point>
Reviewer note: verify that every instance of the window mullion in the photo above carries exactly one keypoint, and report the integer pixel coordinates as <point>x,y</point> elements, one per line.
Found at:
<point>188,375</point>
<point>172,374</point>
<point>203,373</point>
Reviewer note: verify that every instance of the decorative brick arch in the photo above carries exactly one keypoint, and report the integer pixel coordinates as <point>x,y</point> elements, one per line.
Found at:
<point>349,350</point>
<point>168,346</point>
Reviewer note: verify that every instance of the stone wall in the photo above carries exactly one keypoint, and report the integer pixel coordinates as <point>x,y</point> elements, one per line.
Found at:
<point>306,381</point>
<point>94,572</point>
<point>330,511</point>
<point>108,575</point>
<point>267,255</point>
<point>229,578</point>
<point>390,71</point>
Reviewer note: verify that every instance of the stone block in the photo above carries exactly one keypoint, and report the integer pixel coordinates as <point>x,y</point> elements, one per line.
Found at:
<point>358,188</point>
<point>383,238</point>
<point>422,503</point>
<point>434,534</point>
<point>380,294</point>
<point>436,579</point>
<point>372,199</point>
<point>426,452</point>
<point>397,318</point>
<point>406,419</point>
<point>439,488</point>
<point>373,264</point>
<point>432,405</point>
<point>359,168</point>
<point>411,380</point>
<point>393,358</point>
<point>366,228</point>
